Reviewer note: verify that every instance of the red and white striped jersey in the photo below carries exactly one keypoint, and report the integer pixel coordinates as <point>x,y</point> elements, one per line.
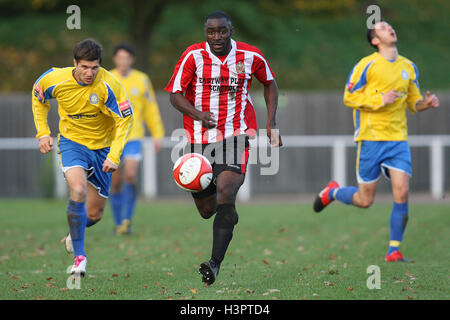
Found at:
<point>220,85</point>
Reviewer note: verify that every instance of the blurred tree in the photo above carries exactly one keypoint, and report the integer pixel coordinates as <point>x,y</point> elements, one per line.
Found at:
<point>309,7</point>
<point>312,44</point>
<point>144,18</point>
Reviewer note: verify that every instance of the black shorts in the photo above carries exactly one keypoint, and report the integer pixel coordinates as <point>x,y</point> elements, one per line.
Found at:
<point>230,154</point>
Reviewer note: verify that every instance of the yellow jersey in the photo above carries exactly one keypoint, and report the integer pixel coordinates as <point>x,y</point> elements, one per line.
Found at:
<point>371,77</point>
<point>142,96</point>
<point>97,116</point>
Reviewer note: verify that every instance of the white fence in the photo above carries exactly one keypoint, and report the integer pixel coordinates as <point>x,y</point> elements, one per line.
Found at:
<point>338,161</point>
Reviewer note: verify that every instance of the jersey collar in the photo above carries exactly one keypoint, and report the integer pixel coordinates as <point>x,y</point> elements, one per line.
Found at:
<point>391,61</point>
<point>73,77</point>
<point>230,54</point>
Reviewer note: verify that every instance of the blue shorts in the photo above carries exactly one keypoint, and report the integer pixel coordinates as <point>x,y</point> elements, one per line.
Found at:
<point>73,154</point>
<point>133,149</point>
<point>374,157</point>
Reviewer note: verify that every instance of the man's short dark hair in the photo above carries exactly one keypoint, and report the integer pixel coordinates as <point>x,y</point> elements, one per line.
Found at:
<point>218,15</point>
<point>372,34</point>
<point>89,50</point>
<point>124,46</point>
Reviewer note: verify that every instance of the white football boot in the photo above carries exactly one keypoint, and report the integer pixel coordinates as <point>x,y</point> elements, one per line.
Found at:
<point>68,243</point>
<point>79,266</point>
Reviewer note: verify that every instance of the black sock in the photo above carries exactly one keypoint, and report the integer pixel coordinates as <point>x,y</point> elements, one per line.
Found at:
<point>90,223</point>
<point>224,221</point>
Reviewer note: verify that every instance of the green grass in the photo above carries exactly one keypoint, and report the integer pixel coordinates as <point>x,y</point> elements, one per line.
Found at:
<point>278,252</point>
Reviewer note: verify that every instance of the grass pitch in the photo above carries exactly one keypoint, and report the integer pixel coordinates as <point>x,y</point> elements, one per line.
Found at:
<point>279,251</point>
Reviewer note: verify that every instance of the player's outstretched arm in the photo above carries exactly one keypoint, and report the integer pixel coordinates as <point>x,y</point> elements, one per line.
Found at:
<point>430,101</point>
<point>271,98</point>
<point>179,101</point>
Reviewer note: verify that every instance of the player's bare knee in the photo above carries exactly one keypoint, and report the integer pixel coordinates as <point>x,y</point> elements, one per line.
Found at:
<point>206,213</point>
<point>95,214</point>
<point>226,193</point>
<point>207,210</point>
<point>401,198</point>
<point>366,202</point>
<point>115,188</point>
<point>206,206</point>
<point>95,219</point>
<point>78,192</point>
<point>401,194</point>
<point>130,178</point>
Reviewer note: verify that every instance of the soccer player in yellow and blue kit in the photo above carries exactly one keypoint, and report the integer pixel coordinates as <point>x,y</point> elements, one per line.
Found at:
<point>142,96</point>
<point>96,119</point>
<point>379,89</point>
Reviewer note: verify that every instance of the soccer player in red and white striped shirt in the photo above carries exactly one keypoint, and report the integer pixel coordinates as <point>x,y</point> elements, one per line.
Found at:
<point>210,86</point>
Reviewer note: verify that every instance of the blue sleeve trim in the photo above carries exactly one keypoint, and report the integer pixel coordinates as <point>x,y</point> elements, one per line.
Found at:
<point>42,75</point>
<point>417,75</point>
<point>350,75</point>
<point>48,94</point>
<point>362,80</point>
<point>81,84</point>
<point>111,102</point>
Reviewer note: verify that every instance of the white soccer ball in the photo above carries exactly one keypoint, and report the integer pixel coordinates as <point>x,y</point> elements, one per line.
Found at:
<point>192,172</point>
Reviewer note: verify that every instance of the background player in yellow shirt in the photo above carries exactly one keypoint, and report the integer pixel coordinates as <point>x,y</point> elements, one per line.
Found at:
<point>379,89</point>
<point>140,90</point>
<point>96,119</point>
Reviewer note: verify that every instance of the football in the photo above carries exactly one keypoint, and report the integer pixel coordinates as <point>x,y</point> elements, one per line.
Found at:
<point>192,172</point>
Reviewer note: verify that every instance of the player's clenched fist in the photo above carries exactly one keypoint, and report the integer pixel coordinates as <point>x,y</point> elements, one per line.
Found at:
<point>389,97</point>
<point>431,100</point>
<point>274,137</point>
<point>45,144</point>
<point>207,119</point>
<point>109,166</point>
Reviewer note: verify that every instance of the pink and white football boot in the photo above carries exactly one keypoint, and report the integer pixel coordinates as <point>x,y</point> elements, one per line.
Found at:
<point>79,266</point>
